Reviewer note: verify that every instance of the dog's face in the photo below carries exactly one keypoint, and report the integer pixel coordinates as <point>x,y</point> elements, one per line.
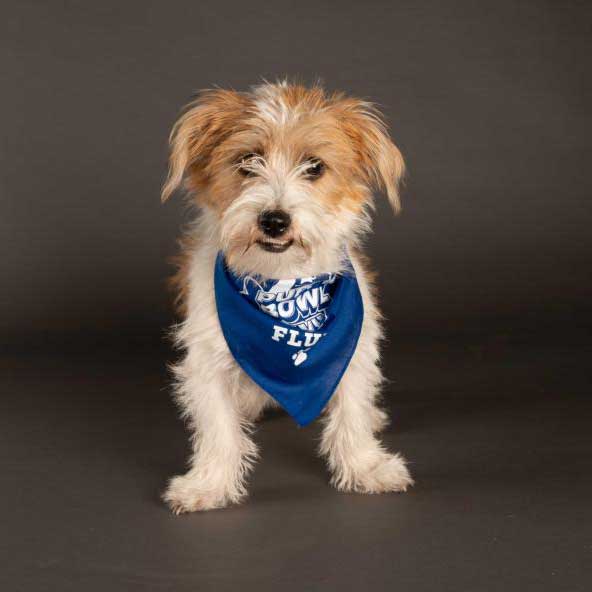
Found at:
<point>287,172</point>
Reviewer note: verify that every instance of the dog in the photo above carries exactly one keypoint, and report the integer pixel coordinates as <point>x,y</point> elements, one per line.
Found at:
<point>283,177</point>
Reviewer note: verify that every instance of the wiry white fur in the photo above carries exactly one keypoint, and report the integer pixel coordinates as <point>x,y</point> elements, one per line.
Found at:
<point>216,397</point>
<point>271,106</point>
<point>220,401</point>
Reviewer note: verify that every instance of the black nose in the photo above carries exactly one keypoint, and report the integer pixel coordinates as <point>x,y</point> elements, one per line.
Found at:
<point>274,222</point>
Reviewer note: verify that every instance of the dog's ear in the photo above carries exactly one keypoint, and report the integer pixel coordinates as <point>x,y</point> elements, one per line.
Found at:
<point>205,123</point>
<point>381,162</point>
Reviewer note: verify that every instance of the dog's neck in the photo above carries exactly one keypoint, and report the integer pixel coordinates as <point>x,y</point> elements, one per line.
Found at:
<point>290,265</point>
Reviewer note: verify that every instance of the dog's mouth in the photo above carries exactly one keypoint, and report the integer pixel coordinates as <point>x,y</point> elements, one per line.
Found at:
<point>275,246</point>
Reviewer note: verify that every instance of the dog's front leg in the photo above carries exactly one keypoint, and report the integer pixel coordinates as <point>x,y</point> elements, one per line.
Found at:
<point>357,459</point>
<point>223,453</point>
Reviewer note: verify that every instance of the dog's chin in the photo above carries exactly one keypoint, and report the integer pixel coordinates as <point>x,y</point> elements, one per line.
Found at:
<point>274,246</point>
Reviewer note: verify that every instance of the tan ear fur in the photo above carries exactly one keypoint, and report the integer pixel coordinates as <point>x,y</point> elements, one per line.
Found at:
<point>202,126</point>
<point>382,162</point>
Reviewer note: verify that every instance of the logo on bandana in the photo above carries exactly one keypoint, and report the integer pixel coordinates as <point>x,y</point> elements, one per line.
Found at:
<point>301,304</point>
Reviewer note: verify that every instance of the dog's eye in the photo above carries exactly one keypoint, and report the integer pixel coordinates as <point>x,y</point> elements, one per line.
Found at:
<point>314,168</point>
<point>246,163</point>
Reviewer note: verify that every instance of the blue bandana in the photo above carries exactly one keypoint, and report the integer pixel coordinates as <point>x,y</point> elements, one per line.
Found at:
<point>294,338</point>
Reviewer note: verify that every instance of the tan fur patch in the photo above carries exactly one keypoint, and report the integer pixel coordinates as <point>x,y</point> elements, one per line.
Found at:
<point>348,132</point>
<point>285,124</point>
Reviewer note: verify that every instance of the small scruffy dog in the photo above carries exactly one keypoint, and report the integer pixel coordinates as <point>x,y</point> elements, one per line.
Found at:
<point>283,178</point>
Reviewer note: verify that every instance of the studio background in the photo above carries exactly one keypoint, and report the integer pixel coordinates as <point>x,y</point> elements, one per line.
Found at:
<point>484,279</point>
<point>488,102</point>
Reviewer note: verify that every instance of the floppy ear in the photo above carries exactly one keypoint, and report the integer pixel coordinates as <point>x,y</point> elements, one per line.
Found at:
<point>205,123</point>
<point>381,161</point>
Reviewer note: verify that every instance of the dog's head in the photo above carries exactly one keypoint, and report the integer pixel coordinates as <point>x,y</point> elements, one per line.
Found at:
<point>285,171</point>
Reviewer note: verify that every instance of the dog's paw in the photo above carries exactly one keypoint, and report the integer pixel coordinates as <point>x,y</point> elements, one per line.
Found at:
<point>185,493</point>
<point>389,474</point>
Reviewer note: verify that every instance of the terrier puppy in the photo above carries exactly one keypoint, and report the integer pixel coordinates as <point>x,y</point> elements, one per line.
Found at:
<point>283,178</point>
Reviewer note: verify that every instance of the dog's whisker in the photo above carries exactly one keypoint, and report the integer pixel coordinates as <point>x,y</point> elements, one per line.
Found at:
<point>249,245</point>
<point>305,246</point>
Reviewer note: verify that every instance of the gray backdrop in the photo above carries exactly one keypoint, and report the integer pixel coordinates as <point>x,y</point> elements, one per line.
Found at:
<point>489,102</point>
